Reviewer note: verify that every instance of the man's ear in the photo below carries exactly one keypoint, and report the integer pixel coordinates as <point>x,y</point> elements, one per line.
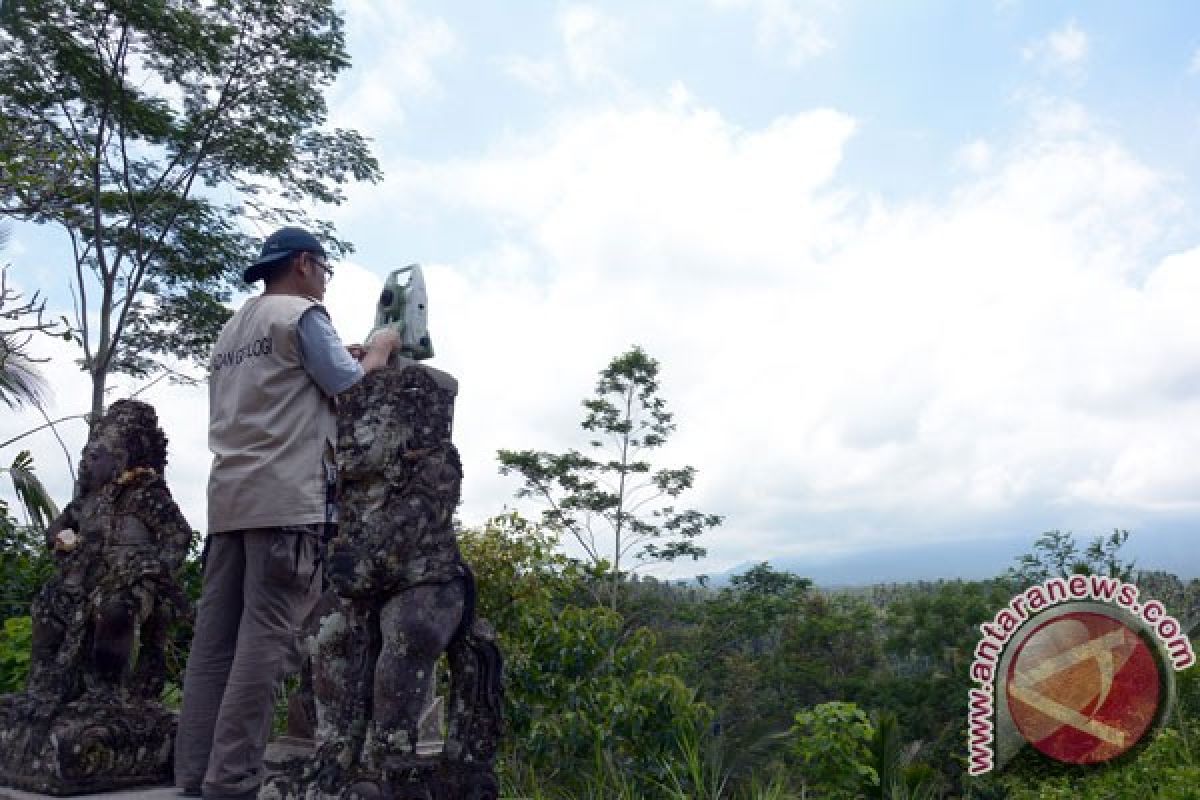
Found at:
<point>280,269</point>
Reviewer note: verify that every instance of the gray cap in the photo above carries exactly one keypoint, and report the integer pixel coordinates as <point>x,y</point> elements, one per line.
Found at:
<point>281,244</point>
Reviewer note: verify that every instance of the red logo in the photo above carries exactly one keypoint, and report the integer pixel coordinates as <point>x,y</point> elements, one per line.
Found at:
<point>1084,688</point>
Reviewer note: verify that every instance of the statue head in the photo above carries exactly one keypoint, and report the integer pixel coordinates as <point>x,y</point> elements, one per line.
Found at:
<point>126,438</point>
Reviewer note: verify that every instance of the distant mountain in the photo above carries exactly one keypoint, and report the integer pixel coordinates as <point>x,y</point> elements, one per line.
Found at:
<point>1173,551</point>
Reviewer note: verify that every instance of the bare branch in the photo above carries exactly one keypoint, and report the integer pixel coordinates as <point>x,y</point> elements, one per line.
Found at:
<point>592,550</point>
<point>81,307</point>
<point>638,505</point>
<point>13,307</point>
<point>569,523</point>
<point>632,541</point>
<point>54,427</point>
<point>32,431</point>
<point>167,372</point>
<point>148,385</point>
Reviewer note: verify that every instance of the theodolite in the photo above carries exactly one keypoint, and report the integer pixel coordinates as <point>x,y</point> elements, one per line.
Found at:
<point>403,305</point>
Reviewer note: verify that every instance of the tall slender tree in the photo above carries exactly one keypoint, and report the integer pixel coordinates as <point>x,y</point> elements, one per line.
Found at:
<point>610,503</point>
<point>155,134</point>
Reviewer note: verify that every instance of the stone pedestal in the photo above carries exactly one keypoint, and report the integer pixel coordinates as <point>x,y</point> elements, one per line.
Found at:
<point>140,793</point>
<point>90,745</point>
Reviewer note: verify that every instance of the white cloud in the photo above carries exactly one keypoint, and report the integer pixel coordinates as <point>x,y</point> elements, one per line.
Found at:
<point>589,42</point>
<point>789,27</point>
<point>1194,66</point>
<point>396,52</point>
<point>1068,45</point>
<point>13,246</point>
<point>539,74</point>
<point>830,357</point>
<point>975,156</point>
<point>1065,49</point>
<point>589,38</point>
<point>1055,116</point>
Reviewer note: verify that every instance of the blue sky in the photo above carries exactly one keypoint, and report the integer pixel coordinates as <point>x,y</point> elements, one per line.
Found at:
<point>921,275</point>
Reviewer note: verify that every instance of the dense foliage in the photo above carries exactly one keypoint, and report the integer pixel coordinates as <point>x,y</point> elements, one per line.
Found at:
<point>767,687</point>
<point>582,692</point>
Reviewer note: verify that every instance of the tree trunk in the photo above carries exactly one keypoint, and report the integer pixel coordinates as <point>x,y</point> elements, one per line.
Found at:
<point>99,379</point>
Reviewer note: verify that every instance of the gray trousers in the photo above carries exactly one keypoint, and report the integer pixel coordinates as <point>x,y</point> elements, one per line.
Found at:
<point>258,587</point>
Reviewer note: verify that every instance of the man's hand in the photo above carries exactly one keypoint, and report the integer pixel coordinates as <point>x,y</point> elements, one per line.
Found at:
<point>356,351</point>
<point>380,348</point>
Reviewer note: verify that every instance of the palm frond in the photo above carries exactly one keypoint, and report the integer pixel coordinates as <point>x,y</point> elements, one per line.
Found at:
<point>21,382</point>
<point>30,491</point>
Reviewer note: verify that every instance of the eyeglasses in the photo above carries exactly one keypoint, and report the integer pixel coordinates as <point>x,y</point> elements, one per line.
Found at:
<point>323,264</point>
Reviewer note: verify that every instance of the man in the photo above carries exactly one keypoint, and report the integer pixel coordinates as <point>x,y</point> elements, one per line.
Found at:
<point>275,371</point>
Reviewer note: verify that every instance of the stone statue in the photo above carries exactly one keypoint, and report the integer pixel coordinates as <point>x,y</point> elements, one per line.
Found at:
<point>401,597</point>
<point>90,718</point>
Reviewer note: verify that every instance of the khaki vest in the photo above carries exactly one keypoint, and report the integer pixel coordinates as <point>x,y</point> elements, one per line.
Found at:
<point>271,428</point>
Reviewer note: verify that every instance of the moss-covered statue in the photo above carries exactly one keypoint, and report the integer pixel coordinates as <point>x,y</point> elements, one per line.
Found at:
<point>402,596</point>
<point>90,718</point>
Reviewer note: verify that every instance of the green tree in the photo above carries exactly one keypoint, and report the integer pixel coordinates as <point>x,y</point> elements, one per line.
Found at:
<point>609,503</point>
<point>148,130</point>
<point>900,776</point>
<point>584,694</point>
<point>732,658</point>
<point>25,565</point>
<point>931,633</point>
<point>768,643</point>
<point>833,743</point>
<point>16,639</point>
<point>1056,555</point>
<point>829,649</point>
<point>591,693</point>
<point>519,572</point>
<point>747,614</point>
<point>1181,599</point>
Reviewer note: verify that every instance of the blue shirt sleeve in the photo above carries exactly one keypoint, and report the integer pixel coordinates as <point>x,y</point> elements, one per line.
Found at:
<point>325,359</point>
